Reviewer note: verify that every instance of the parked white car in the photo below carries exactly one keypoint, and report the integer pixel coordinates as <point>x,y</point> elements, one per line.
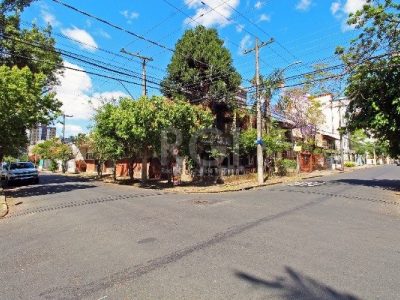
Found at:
<point>19,171</point>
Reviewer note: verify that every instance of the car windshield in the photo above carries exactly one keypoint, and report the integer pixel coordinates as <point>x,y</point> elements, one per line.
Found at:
<point>27,165</point>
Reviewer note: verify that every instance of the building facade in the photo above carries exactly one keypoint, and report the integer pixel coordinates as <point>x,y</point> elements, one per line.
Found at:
<point>41,133</point>
<point>334,111</point>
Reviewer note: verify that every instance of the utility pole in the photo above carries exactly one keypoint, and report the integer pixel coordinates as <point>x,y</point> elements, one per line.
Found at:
<point>341,136</point>
<point>144,59</point>
<point>63,122</point>
<point>260,158</point>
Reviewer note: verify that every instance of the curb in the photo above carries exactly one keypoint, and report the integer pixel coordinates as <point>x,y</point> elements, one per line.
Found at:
<point>3,204</point>
<point>247,188</point>
<point>315,176</point>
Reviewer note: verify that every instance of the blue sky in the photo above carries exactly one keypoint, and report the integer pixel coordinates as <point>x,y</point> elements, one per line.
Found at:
<point>305,30</point>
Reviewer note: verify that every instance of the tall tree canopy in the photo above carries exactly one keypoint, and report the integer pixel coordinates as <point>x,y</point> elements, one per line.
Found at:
<point>373,61</point>
<point>22,105</point>
<point>31,48</point>
<point>12,5</point>
<point>29,66</point>
<point>201,69</point>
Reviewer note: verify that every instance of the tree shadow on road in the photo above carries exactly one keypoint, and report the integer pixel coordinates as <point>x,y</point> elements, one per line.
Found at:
<point>296,286</point>
<point>61,178</point>
<point>387,184</point>
<point>41,190</point>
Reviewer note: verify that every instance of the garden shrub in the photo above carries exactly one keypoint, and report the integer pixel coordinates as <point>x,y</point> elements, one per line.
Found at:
<point>349,164</point>
<point>284,165</point>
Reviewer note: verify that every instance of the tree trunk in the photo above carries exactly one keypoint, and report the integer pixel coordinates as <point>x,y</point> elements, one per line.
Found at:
<point>144,165</point>
<point>115,170</point>
<point>130,168</point>
<point>1,154</point>
<point>170,171</point>
<point>99,169</point>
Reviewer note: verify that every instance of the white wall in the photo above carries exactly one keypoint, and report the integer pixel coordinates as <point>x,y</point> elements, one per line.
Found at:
<point>334,111</point>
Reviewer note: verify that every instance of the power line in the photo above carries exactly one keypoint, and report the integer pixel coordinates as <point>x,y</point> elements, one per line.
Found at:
<point>118,27</point>
<point>330,68</point>
<point>78,70</point>
<point>76,57</point>
<point>262,30</point>
<point>113,25</point>
<point>87,46</point>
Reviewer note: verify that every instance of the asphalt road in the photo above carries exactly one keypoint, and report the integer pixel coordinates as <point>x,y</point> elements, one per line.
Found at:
<point>73,239</point>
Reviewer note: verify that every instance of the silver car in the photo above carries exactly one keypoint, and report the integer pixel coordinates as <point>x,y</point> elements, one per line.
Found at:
<point>19,171</point>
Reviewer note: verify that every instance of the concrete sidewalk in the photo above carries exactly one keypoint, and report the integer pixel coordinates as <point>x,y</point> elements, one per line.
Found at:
<point>248,184</point>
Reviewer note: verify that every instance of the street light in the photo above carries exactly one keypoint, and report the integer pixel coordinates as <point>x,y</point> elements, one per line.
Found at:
<point>291,65</point>
<point>278,82</point>
<point>63,122</point>
<point>282,84</point>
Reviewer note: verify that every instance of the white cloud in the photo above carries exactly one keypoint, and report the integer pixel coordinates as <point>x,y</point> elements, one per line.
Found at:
<point>245,43</point>
<point>349,6</point>
<point>239,28</point>
<point>219,15</point>
<point>76,93</point>
<point>303,5</point>
<point>70,129</point>
<point>341,11</point>
<point>49,18</point>
<point>335,7</point>
<point>85,40</point>
<point>264,17</point>
<point>259,5</point>
<point>352,6</point>
<point>103,34</point>
<point>129,15</point>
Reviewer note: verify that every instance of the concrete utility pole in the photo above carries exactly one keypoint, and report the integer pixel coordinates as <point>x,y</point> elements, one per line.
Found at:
<point>144,62</point>
<point>260,158</point>
<point>63,122</point>
<point>341,136</point>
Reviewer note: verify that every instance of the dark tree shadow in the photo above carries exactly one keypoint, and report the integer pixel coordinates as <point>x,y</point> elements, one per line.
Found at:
<point>41,190</point>
<point>59,178</point>
<point>297,286</point>
<point>154,184</point>
<point>387,184</point>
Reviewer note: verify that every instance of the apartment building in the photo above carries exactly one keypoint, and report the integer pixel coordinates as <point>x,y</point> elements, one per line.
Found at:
<point>41,133</point>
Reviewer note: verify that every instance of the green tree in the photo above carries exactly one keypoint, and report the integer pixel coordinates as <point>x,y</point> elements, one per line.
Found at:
<point>136,128</point>
<point>54,150</point>
<point>274,142</point>
<point>29,66</point>
<point>360,142</point>
<point>104,140</point>
<point>22,106</point>
<point>31,48</point>
<point>373,63</point>
<point>13,5</point>
<point>201,69</point>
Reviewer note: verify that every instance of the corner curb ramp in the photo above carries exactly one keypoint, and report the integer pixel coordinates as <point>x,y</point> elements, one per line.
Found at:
<point>3,204</point>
